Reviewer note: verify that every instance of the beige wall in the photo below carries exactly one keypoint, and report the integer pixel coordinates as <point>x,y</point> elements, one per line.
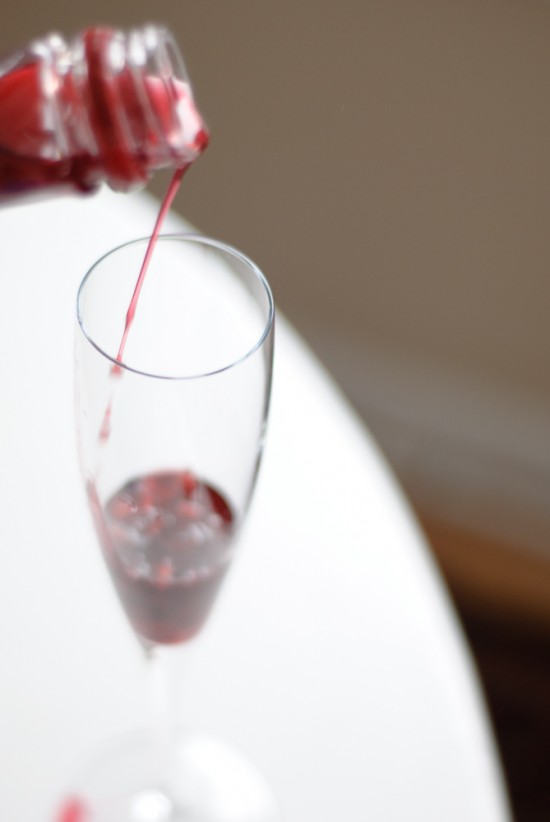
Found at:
<point>387,162</point>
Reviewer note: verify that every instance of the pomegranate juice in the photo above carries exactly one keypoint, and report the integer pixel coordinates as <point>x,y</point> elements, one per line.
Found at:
<point>167,539</point>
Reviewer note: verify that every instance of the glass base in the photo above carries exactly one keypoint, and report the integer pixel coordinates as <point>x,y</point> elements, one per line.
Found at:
<point>209,782</point>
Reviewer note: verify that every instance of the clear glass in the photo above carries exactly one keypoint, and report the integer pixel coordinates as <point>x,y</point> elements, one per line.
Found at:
<point>170,442</point>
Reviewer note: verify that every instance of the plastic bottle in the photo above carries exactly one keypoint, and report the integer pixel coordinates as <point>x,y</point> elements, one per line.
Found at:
<point>109,107</point>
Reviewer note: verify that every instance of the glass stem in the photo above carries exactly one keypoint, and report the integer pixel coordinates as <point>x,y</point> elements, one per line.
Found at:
<point>163,679</point>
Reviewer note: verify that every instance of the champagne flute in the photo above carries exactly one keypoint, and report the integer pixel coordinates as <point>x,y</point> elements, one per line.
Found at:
<point>170,440</point>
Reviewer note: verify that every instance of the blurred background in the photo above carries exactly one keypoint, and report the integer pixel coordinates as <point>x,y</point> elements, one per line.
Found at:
<point>388,165</point>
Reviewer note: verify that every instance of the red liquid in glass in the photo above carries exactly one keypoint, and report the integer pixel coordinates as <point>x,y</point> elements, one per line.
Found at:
<point>167,539</point>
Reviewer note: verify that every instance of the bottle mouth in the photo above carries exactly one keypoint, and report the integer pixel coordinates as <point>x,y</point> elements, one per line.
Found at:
<point>141,102</point>
<point>170,92</point>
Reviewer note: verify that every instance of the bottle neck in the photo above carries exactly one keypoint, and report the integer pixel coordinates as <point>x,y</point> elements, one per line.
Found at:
<point>126,101</point>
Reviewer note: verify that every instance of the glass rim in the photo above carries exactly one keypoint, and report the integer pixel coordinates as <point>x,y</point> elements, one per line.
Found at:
<point>199,239</point>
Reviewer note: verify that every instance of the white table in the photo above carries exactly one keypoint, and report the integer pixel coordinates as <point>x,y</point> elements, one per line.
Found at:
<point>333,658</point>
